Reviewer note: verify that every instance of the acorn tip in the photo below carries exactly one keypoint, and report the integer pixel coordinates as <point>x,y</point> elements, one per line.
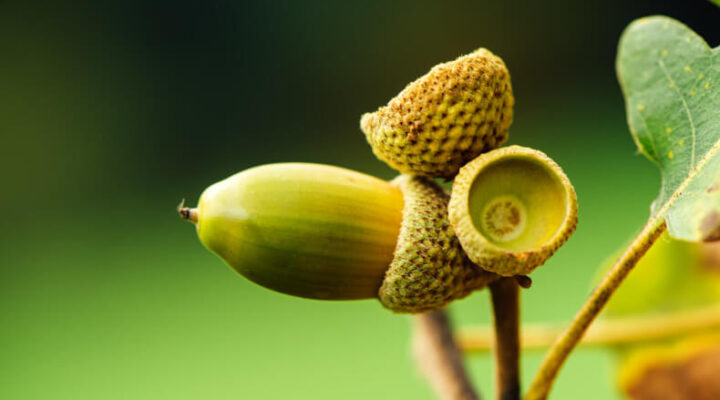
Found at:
<point>187,213</point>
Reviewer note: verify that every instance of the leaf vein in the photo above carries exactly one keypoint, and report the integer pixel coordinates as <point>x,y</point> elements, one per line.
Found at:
<point>701,76</point>
<point>687,111</point>
<point>650,138</point>
<point>688,179</point>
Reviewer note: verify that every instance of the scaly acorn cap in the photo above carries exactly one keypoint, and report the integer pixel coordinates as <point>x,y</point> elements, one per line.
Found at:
<point>444,119</point>
<point>429,269</point>
<point>511,209</point>
<point>308,230</point>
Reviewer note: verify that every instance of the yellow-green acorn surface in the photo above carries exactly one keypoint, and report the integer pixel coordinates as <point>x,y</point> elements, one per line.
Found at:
<point>429,269</point>
<point>511,209</point>
<point>325,232</point>
<point>445,118</point>
<point>308,230</point>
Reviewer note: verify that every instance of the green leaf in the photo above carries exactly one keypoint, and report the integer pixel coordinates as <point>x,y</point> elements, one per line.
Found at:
<point>671,81</point>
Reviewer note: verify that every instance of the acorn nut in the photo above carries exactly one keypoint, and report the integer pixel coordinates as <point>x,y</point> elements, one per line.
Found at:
<point>444,119</point>
<point>511,209</point>
<point>308,230</point>
<point>325,232</point>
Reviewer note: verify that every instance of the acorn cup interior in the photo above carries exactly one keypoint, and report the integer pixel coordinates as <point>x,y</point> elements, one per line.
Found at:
<point>511,208</point>
<point>518,204</point>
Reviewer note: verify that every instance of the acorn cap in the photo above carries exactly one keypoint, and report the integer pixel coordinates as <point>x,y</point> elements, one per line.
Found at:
<point>429,268</point>
<point>445,118</point>
<point>511,209</point>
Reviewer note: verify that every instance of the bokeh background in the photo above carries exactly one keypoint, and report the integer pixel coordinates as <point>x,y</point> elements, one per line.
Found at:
<point>111,112</point>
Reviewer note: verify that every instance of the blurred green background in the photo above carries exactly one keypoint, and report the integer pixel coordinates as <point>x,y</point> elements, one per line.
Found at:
<point>110,113</point>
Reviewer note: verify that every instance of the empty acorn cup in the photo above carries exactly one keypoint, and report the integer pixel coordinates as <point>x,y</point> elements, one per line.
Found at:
<point>511,209</point>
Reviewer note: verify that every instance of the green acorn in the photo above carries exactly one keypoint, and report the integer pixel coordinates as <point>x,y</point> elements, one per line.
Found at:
<point>444,119</point>
<point>511,209</point>
<point>324,232</point>
<point>308,230</point>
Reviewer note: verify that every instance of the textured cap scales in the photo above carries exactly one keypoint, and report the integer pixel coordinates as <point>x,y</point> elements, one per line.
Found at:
<point>429,268</point>
<point>445,118</point>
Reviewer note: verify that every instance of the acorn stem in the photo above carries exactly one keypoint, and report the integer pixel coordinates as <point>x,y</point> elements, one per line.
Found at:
<point>524,281</point>
<point>610,332</point>
<point>564,345</point>
<point>506,343</point>
<point>439,358</point>
<point>187,213</point>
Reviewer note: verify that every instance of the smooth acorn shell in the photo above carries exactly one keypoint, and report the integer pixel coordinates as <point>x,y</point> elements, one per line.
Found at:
<point>308,230</point>
<point>511,209</point>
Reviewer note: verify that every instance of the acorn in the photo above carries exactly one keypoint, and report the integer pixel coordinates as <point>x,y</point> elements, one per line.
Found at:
<point>445,118</point>
<point>324,232</point>
<point>511,209</point>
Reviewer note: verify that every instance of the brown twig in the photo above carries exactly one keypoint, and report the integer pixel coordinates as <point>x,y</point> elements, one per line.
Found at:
<point>506,313</point>
<point>439,358</point>
<point>608,332</point>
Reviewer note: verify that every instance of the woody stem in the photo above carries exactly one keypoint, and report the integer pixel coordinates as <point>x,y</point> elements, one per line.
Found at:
<point>439,358</point>
<point>608,332</point>
<point>564,345</point>
<point>506,345</point>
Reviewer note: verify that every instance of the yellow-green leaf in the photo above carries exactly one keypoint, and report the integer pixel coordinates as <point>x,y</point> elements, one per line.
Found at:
<point>671,81</point>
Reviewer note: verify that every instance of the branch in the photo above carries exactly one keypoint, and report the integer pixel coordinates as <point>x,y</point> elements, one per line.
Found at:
<point>439,358</point>
<point>566,343</point>
<point>506,314</point>
<point>609,332</point>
